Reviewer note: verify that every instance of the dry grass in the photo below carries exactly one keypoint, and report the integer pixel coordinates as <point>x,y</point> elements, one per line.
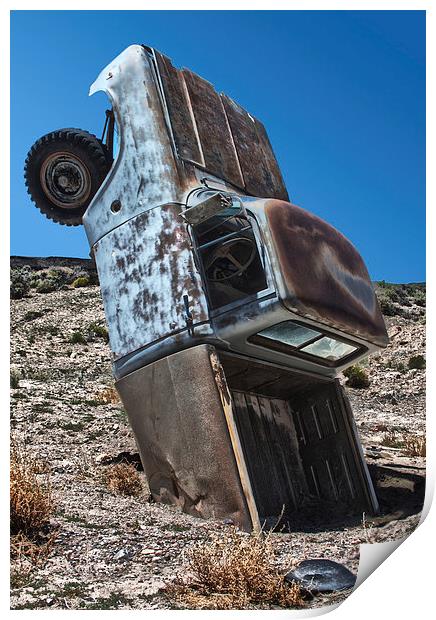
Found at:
<point>367,528</point>
<point>85,465</point>
<point>26,551</point>
<point>26,555</point>
<point>123,479</point>
<point>391,439</point>
<point>411,445</point>
<point>31,499</point>
<point>415,446</point>
<point>107,396</point>
<point>30,511</point>
<point>234,571</point>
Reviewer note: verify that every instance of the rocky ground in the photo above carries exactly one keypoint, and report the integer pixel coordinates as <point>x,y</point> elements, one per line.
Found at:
<point>118,552</point>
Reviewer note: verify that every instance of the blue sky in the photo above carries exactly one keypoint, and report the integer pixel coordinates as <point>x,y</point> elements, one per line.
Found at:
<point>341,93</point>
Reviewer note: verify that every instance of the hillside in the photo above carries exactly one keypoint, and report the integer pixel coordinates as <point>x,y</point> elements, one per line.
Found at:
<point>114,551</point>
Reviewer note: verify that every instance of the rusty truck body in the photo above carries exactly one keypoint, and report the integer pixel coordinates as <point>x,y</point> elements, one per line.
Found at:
<point>231,311</point>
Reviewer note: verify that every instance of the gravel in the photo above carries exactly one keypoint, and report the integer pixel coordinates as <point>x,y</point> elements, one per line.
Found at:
<point>118,552</point>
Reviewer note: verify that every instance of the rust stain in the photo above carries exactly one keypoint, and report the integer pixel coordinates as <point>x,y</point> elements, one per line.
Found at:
<point>216,135</point>
<point>145,268</point>
<point>324,275</point>
<point>224,394</point>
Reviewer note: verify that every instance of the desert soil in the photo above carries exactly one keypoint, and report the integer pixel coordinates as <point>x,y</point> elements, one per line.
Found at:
<point>118,552</point>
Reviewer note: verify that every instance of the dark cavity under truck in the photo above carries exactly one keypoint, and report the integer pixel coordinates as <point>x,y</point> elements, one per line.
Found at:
<point>231,312</point>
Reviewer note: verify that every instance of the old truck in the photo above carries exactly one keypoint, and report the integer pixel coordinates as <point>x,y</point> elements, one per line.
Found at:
<point>231,311</point>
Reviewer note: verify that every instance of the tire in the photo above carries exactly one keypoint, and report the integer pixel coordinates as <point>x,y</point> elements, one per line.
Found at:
<point>63,172</point>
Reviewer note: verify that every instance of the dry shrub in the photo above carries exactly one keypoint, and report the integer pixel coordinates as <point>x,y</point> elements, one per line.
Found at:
<point>123,479</point>
<point>27,554</point>
<point>25,550</point>
<point>415,446</point>
<point>234,572</point>
<point>391,439</point>
<point>107,396</point>
<point>31,509</point>
<point>31,500</point>
<point>85,466</point>
<point>412,445</point>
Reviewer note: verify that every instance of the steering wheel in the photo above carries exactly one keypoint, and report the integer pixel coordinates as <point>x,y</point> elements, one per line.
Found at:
<point>230,259</point>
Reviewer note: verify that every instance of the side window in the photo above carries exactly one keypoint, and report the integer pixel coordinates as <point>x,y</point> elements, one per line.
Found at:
<point>229,255</point>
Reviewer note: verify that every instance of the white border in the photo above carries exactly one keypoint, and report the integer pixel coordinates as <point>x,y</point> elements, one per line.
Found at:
<point>402,586</point>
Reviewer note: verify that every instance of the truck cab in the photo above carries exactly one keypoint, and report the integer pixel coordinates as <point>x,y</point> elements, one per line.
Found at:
<point>231,311</point>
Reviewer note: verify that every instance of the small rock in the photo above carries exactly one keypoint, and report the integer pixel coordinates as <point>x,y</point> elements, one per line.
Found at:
<point>123,554</point>
<point>322,576</point>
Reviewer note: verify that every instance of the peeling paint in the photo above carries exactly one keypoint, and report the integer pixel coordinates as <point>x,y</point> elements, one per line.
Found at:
<point>143,299</point>
<point>144,173</point>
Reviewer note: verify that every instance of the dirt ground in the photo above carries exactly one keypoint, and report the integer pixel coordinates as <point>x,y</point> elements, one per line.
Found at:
<point>118,552</point>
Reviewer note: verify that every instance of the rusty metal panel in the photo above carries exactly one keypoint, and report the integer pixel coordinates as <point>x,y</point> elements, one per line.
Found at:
<point>213,130</point>
<point>145,268</point>
<point>333,467</point>
<point>257,469</point>
<point>271,162</point>
<point>172,124</point>
<point>323,277</point>
<point>266,379</point>
<point>176,413</point>
<point>179,110</point>
<point>356,447</point>
<point>230,415</point>
<point>269,440</point>
<point>259,167</point>
<point>217,135</point>
<point>145,172</point>
<point>299,449</point>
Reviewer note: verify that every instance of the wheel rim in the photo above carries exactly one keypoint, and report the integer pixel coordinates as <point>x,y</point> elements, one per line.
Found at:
<point>65,180</point>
